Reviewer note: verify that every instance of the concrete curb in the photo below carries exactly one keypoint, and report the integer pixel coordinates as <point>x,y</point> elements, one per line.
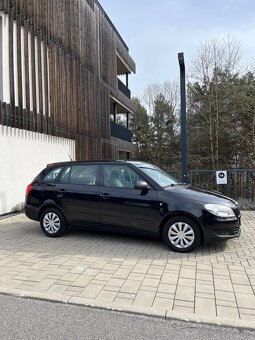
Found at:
<point>145,311</point>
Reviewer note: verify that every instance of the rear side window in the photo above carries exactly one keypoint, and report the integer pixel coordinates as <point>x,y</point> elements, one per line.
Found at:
<point>83,174</point>
<point>65,176</point>
<point>52,175</point>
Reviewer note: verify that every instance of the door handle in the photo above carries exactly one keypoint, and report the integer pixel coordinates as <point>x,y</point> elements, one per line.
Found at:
<point>50,185</point>
<point>105,196</point>
<point>60,193</point>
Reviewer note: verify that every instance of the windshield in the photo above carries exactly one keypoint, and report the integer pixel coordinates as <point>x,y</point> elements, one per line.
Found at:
<point>160,177</point>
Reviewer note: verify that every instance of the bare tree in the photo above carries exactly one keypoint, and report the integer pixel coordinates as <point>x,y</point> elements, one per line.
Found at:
<point>162,103</point>
<point>215,58</point>
<point>170,91</point>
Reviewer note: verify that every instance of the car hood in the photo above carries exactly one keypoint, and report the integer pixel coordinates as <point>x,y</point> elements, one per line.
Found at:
<point>201,195</point>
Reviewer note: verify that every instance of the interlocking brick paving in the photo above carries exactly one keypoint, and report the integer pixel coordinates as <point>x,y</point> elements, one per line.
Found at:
<point>216,280</point>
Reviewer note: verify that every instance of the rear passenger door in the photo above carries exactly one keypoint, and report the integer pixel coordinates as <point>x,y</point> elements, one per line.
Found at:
<point>78,194</point>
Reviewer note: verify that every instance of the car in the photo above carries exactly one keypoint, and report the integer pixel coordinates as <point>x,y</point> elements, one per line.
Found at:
<point>129,197</point>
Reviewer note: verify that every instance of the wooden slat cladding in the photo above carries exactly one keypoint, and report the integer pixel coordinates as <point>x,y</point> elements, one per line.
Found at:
<point>66,71</point>
<point>108,52</point>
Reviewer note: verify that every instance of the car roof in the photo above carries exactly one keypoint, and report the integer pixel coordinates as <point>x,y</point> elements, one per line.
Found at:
<point>84,162</point>
<point>137,164</point>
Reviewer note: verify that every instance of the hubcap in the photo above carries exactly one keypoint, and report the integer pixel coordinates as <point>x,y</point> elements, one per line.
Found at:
<point>51,223</point>
<point>181,235</point>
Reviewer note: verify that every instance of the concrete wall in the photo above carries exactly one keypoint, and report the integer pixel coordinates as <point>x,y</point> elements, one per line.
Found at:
<point>23,154</point>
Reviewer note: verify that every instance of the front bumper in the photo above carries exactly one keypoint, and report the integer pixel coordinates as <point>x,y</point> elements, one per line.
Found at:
<point>220,229</point>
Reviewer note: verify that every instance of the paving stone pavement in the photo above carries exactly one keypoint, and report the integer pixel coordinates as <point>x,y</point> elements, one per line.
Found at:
<point>215,283</point>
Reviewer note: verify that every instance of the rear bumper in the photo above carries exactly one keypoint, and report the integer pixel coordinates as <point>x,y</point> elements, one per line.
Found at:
<point>31,212</point>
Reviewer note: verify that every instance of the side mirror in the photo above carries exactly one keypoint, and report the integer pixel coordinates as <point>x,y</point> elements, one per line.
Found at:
<point>141,185</point>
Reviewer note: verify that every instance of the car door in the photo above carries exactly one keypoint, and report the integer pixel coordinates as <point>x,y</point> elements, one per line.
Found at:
<point>78,194</point>
<point>46,187</point>
<point>123,206</point>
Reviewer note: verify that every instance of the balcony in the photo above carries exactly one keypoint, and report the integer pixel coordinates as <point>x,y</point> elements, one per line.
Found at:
<point>124,89</point>
<point>120,132</point>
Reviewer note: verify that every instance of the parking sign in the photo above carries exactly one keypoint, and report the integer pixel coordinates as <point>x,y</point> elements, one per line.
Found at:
<point>221,177</point>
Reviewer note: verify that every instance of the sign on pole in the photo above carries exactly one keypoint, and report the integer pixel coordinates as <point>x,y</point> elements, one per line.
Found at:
<point>221,177</point>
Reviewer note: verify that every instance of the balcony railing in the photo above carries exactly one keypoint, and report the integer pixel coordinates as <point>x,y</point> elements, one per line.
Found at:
<point>125,90</point>
<point>120,132</point>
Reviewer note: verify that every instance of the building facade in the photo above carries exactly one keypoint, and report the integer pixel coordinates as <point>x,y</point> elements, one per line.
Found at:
<point>64,72</point>
<point>60,75</point>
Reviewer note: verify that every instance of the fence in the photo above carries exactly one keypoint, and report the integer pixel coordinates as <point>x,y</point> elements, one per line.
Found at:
<point>240,182</point>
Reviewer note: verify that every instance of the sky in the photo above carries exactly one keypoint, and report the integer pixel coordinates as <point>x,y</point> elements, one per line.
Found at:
<point>155,31</point>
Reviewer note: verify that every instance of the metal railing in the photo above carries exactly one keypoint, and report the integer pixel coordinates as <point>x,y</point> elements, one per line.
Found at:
<point>240,182</point>
<point>124,89</point>
<point>120,132</point>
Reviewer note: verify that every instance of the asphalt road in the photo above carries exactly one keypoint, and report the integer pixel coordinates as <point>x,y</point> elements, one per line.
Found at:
<point>22,318</point>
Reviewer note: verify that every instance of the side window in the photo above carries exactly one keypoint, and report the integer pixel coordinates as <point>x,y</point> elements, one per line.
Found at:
<point>83,174</point>
<point>120,176</point>
<point>64,177</point>
<point>52,175</point>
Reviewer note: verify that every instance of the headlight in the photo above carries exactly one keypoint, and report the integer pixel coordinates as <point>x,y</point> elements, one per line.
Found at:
<point>220,210</point>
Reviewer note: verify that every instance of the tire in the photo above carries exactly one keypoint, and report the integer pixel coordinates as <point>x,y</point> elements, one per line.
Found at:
<point>53,223</point>
<point>181,234</point>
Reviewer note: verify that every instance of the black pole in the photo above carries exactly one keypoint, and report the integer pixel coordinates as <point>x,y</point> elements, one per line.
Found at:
<point>183,118</point>
<point>126,79</point>
<point>114,112</point>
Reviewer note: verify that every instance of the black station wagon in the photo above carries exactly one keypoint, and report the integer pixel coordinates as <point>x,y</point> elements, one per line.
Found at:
<point>133,197</point>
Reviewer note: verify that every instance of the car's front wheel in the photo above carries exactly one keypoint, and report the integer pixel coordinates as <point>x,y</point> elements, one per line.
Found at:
<point>53,222</point>
<point>181,234</point>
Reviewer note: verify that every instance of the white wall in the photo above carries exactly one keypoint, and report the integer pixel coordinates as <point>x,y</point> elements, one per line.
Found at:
<point>23,154</point>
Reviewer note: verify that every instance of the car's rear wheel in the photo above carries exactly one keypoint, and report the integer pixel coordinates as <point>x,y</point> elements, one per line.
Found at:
<point>53,222</point>
<point>181,234</point>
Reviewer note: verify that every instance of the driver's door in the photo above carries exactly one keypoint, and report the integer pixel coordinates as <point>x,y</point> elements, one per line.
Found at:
<point>123,206</point>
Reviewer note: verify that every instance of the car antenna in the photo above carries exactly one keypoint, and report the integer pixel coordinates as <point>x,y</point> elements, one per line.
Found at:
<point>68,154</point>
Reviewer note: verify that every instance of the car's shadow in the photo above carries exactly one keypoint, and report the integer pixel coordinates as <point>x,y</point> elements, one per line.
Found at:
<point>28,237</point>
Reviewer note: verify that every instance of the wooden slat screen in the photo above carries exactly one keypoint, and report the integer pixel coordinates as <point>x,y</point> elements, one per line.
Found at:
<point>69,48</point>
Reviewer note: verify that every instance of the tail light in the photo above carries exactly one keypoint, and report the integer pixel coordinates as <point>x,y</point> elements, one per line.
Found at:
<point>29,188</point>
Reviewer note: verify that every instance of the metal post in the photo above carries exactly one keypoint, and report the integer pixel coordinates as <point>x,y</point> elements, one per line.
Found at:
<point>127,79</point>
<point>183,118</point>
<point>114,112</point>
